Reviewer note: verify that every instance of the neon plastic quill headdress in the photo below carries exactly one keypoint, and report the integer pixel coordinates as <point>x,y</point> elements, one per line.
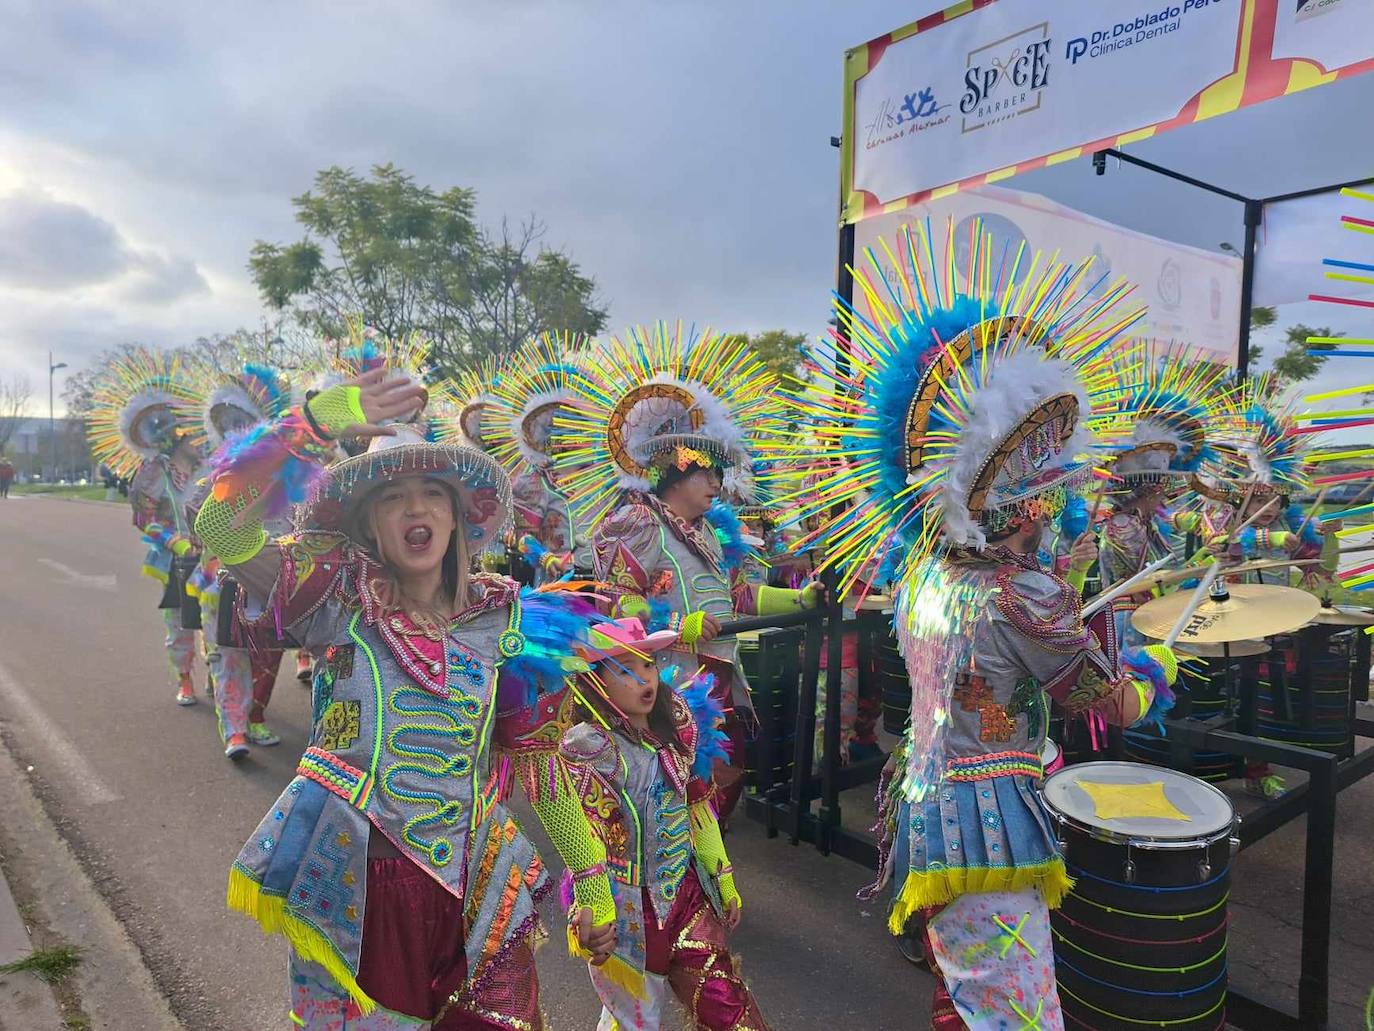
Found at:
<point>535,385</point>
<point>654,386</point>
<point>969,394</point>
<point>133,409</point>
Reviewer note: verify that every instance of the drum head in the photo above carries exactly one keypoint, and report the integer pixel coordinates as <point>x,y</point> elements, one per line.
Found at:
<point>1134,802</point>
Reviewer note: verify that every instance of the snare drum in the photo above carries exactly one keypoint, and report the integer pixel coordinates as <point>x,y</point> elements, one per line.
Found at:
<point>1150,850</point>
<point>1051,761</point>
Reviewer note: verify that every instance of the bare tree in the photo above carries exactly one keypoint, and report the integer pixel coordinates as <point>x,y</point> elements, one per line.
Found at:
<point>14,402</point>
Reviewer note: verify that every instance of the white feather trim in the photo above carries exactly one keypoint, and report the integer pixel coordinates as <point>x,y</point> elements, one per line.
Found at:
<point>1259,461</point>
<point>535,459</point>
<point>646,419</point>
<point>138,403</point>
<point>1015,387</point>
<point>234,396</point>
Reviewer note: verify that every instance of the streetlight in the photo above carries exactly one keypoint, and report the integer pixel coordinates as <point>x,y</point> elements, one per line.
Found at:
<point>52,433</point>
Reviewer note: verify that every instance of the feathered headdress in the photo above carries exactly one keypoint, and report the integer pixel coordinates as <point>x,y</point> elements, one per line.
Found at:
<point>970,397</point>
<point>1164,431</point>
<point>133,409</point>
<point>1260,452</point>
<point>536,383</point>
<point>458,406</point>
<point>658,396</point>
<point>225,402</point>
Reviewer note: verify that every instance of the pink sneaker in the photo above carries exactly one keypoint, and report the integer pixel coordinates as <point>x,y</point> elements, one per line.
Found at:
<point>236,747</point>
<point>186,693</point>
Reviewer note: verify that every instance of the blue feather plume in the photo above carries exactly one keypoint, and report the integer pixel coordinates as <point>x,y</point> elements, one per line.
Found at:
<point>551,623</point>
<point>708,715</point>
<point>729,532</point>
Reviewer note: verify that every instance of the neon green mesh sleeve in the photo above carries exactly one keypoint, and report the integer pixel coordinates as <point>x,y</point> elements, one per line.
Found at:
<point>337,408</point>
<point>234,545</point>
<point>710,848</point>
<point>560,811</point>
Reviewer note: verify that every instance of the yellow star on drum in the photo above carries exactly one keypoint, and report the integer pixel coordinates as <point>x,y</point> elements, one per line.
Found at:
<point>1145,801</point>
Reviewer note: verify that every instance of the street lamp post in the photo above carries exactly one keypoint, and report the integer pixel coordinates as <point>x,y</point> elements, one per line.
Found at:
<point>52,433</point>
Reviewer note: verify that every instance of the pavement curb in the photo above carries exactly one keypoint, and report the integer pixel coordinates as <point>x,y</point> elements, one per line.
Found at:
<point>114,986</point>
<point>23,997</point>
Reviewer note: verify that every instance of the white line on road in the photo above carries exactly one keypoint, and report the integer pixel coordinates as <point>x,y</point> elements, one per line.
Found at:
<point>70,761</point>
<point>98,582</point>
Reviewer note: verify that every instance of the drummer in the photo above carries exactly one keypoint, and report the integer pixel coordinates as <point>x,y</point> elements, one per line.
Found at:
<point>988,417</point>
<point>1149,508</point>
<point>1264,465</point>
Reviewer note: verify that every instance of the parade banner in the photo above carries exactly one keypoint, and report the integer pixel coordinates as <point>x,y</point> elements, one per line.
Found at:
<point>989,88</point>
<point>1191,296</point>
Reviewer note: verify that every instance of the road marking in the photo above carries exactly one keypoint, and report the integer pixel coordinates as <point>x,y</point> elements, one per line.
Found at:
<point>81,775</point>
<point>98,582</point>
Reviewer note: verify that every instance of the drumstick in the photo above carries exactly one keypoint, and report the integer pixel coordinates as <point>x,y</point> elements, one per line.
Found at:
<point>1124,587</point>
<point>1321,495</point>
<point>1258,512</point>
<point>1199,596</point>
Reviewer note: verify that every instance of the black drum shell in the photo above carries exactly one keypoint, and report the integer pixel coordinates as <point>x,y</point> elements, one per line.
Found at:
<point>1106,928</point>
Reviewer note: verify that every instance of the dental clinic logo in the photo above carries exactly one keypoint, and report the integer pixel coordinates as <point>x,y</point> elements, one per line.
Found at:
<point>904,115</point>
<point>1006,78</point>
<point>1147,25</point>
<point>1311,8</point>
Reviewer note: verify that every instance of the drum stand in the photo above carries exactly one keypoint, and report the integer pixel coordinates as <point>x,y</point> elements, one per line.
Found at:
<point>1327,776</point>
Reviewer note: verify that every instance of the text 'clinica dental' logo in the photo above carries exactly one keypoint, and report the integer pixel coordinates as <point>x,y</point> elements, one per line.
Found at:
<point>1006,77</point>
<point>1148,25</point>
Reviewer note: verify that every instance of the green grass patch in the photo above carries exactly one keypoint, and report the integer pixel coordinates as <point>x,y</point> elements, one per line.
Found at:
<point>90,492</point>
<point>50,965</point>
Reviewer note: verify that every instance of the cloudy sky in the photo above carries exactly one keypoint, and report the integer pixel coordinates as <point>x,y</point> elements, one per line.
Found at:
<point>678,149</point>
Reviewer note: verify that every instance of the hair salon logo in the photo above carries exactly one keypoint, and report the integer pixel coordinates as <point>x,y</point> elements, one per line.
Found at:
<point>903,115</point>
<point>1006,77</point>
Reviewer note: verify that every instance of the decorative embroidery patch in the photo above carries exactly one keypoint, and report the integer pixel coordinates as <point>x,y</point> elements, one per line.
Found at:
<point>340,726</point>
<point>974,695</point>
<point>339,659</point>
<point>1029,700</point>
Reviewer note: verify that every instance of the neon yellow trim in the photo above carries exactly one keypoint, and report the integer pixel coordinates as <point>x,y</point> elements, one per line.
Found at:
<point>377,692</point>
<point>246,896</point>
<point>155,573</point>
<point>1145,1023</point>
<point>295,1019</point>
<point>925,888</point>
<point>778,601</point>
<point>614,970</point>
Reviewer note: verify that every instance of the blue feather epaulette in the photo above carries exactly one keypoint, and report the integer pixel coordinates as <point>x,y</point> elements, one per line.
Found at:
<point>730,532</point>
<point>539,653</point>
<point>708,716</point>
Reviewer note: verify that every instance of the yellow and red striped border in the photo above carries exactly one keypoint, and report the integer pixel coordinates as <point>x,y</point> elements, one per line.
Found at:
<point>1255,78</point>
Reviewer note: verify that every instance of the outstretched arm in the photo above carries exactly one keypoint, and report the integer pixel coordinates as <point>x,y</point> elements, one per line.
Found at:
<point>273,467</point>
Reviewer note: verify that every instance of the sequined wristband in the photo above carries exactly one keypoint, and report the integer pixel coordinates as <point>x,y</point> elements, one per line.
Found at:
<point>595,870</point>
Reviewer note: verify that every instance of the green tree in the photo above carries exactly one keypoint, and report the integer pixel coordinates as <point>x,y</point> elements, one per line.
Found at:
<point>778,349</point>
<point>410,259</point>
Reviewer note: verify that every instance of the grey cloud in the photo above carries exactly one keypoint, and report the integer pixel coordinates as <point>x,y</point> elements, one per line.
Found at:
<point>53,245</point>
<point>159,279</point>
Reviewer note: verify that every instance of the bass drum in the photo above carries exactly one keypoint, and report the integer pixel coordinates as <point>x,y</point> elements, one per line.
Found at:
<point>1150,850</point>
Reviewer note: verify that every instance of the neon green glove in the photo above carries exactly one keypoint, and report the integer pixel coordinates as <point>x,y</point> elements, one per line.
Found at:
<point>337,409</point>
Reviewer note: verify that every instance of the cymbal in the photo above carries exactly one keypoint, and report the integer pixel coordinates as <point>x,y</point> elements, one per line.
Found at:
<point>1177,576</point>
<point>1344,615</point>
<point>1248,611</point>
<point>1234,649</point>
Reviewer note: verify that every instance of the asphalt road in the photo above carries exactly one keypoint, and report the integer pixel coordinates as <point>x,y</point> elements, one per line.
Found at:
<point>141,790</point>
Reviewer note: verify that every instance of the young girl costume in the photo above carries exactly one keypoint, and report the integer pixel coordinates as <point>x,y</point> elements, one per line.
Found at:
<point>132,429</point>
<point>405,743</point>
<point>649,802</point>
<point>534,386</point>
<point>962,413</point>
<point>657,399</point>
<point>243,663</point>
